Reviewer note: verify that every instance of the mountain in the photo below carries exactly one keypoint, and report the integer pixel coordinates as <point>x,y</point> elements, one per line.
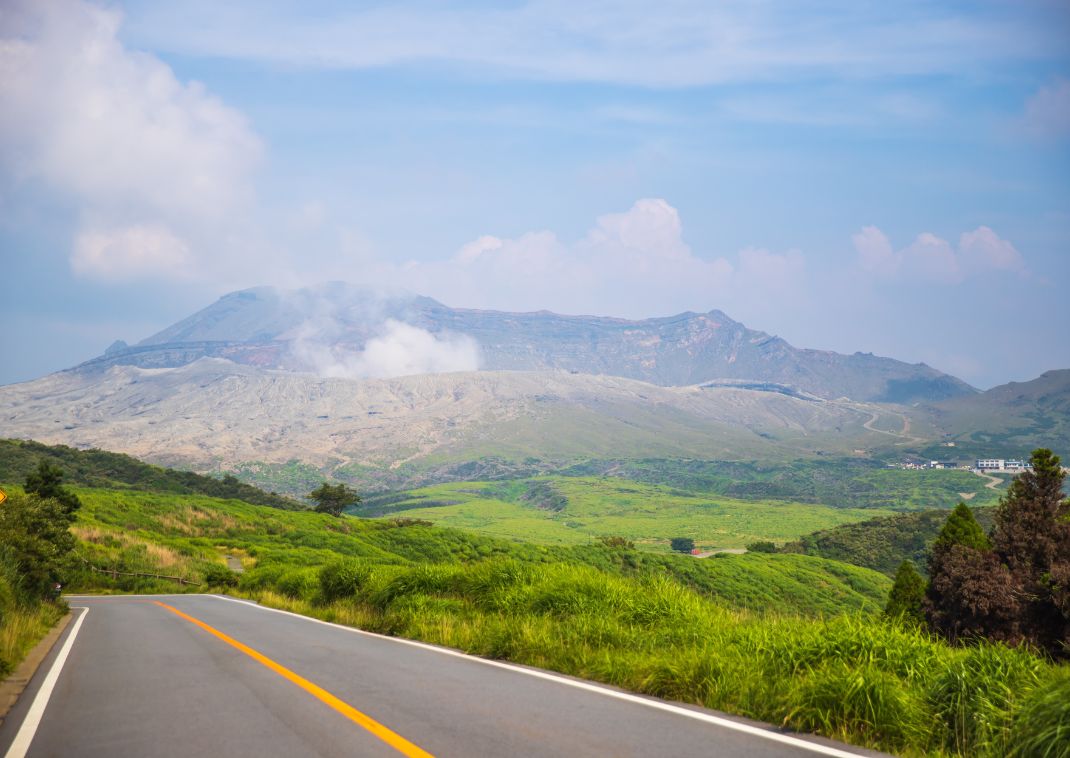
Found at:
<point>1009,420</point>
<point>295,330</point>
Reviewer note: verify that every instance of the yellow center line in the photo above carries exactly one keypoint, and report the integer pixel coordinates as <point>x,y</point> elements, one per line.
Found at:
<point>393,739</point>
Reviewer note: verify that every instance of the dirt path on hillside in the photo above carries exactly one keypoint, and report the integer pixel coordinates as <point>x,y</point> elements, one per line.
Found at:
<point>993,481</point>
<point>904,434</point>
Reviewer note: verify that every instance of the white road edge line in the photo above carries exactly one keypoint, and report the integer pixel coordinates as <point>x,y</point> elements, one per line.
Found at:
<point>627,697</point>
<point>28,730</point>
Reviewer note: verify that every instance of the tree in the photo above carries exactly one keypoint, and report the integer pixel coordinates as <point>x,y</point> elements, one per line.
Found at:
<point>907,598</point>
<point>970,594</point>
<point>1031,537</point>
<point>762,546</point>
<point>682,544</point>
<point>35,536</point>
<point>333,498</point>
<point>617,542</point>
<point>46,482</point>
<point>961,528</point>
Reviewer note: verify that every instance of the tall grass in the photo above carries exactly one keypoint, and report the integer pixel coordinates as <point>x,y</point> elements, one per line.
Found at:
<point>23,621</point>
<point>853,678</point>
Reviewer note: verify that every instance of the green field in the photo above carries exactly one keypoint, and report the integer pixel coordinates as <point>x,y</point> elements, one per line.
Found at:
<point>579,510</point>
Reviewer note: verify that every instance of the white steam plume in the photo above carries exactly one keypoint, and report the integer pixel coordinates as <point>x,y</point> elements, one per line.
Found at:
<point>399,350</point>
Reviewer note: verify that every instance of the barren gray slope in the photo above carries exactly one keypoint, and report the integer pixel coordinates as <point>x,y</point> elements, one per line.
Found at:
<point>215,412</point>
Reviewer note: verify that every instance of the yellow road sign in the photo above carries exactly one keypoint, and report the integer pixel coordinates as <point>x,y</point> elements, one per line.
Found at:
<point>3,496</point>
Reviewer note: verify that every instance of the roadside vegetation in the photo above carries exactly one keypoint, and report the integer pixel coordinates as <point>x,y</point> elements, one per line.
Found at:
<point>35,548</point>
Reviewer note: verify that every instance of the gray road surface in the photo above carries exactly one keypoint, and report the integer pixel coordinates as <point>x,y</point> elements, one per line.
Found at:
<point>140,680</point>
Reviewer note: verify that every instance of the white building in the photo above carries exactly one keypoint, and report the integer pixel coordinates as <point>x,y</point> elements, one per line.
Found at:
<point>1001,464</point>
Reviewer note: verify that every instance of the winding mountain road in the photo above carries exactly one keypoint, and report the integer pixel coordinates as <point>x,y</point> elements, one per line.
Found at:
<point>191,675</point>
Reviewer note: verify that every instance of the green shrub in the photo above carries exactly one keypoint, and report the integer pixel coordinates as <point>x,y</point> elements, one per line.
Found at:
<point>343,578</point>
<point>301,584</point>
<point>220,576</point>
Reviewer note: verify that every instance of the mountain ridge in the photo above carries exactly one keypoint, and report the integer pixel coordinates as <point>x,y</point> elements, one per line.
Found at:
<point>264,327</point>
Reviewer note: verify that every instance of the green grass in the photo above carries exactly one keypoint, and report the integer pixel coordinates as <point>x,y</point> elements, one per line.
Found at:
<point>589,507</point>
<point>23,621</point>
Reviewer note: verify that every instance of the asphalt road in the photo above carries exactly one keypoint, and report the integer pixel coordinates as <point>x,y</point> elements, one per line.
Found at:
<point>193,675</point>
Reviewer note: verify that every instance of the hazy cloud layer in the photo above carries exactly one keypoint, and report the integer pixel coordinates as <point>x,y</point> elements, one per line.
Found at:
<point>930,258</point>
<point>155,166</point>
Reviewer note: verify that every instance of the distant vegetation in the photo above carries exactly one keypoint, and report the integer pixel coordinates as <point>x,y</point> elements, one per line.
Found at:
<point>882,543</point>
<point>100,468</point>
<point>837,482</point>
<point>573,510</point>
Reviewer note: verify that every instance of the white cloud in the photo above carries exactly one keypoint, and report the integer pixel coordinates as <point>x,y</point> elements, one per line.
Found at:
<point>1047,113</point>
<point>930,258</point>
<point>130,253</point>
<point>875,253</point>
<point>631,263</point>
<point>400,349</point>
<point>983,249</point>
<point>114,131</point>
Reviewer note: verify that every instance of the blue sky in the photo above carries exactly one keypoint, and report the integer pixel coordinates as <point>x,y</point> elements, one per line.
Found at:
<point>890,178</point>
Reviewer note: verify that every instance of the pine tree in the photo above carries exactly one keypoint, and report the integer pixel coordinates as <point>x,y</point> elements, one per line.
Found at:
<point>970,594</point>
<point>1031,536</point>
<point>905,601</point>
<point>47,482</point>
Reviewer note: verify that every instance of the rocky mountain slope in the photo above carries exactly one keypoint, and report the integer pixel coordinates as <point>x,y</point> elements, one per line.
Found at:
<point>214,413</point>
<point>295,330</point>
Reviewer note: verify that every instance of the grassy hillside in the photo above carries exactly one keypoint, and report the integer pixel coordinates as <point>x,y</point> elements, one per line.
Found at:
<point>100,468</point>
<point>816,658</point>
<point>881,543</point>
<point>189,537</point>
<point>578,510</point>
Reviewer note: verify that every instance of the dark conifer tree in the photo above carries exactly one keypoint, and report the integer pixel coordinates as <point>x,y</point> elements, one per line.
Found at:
<point>906,600</point>
<point>971,594</point>
<point>1031,537</point>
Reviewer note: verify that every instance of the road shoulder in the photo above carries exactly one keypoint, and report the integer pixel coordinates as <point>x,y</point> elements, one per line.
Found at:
<point>12,687</point>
